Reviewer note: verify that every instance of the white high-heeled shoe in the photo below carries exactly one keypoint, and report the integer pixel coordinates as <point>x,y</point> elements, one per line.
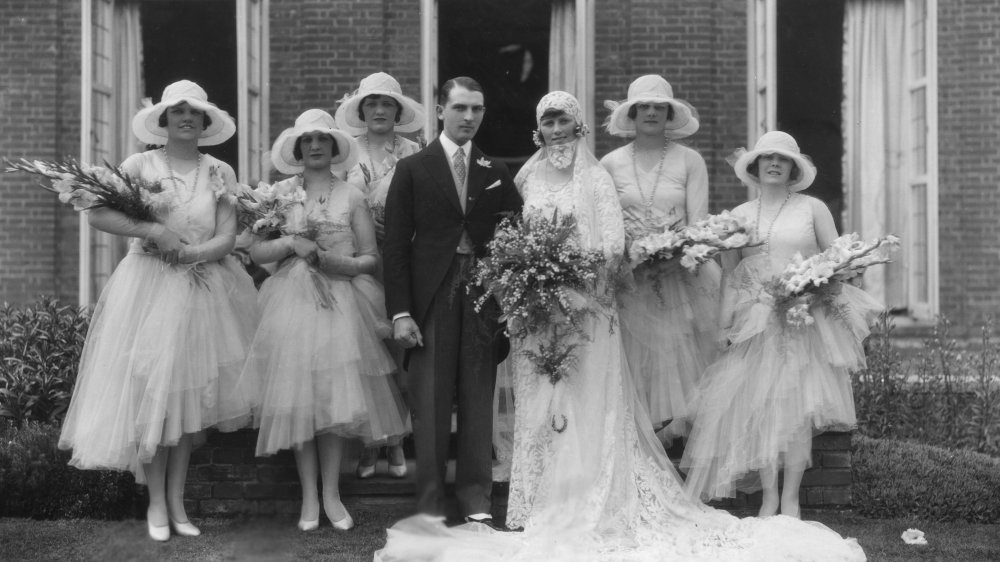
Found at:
<point>185,529</point>
<point>345,524</point>
<point>307,526</point>
<point>159,534</point>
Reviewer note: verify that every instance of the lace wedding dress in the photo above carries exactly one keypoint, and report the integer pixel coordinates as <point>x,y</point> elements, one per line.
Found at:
<point>590,481</point>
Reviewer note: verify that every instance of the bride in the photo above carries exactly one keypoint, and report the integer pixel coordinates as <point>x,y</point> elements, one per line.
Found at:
<point>597,485</point>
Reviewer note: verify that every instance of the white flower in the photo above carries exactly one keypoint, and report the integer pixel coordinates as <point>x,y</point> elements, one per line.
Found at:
<point>913,536</point>
<point>484,162</point>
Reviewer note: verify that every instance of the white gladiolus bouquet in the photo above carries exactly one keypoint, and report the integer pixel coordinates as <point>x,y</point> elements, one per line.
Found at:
<point>694,244</point>
<point>816,278</point>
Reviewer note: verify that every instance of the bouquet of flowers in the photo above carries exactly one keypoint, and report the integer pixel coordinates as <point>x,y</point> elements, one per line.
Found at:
<point>263,210</point>
<point>715,233</point>
<point>695,244</point>
<point>539,274</point>
<point>816,278</point>
<point>93,187</point>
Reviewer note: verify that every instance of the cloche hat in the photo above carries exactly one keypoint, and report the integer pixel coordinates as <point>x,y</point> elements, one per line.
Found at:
<point>313,121</point>
<point>146,124</point>
<point>379,84</point>
<point>651,88</point>
<point>775,142</point>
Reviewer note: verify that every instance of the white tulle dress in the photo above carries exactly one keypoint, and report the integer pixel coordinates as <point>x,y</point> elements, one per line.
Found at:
<point>319,345</point>
<point>776,385</point>
<point>166,343</point>
<point>602,489</point>
<point>669,319</point>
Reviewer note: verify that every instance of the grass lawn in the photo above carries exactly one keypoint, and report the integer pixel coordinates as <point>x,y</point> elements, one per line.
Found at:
<point>267,539</point>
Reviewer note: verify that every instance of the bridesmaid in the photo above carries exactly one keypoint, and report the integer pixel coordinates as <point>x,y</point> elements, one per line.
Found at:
<point>319,345</point>
<point>171,329</point>
<point>776,385</point>
<point>669,321</point>
<point>375,113</point>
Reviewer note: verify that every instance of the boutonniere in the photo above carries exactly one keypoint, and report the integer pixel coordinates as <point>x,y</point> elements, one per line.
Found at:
<point>484,163</point>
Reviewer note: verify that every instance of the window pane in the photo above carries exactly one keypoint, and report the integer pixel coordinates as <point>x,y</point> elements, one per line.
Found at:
<point>918,244</point>
<point>918,121</point>
<point>918,39</point>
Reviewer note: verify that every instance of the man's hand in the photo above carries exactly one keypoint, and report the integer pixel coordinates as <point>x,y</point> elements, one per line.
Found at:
<point>406,333</point>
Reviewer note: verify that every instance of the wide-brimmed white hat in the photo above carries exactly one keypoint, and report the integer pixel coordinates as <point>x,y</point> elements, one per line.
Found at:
<point>775,142</point>
<point>379,84</point>
<point>651,88</point>
<point>313,121</point>
<point>146,123</point>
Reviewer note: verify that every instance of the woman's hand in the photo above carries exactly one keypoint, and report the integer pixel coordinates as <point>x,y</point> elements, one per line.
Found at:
<point>304,248</point>
<point>166,243</point>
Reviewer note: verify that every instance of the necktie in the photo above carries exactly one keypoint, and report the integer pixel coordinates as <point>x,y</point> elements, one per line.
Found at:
<point>458,161</point>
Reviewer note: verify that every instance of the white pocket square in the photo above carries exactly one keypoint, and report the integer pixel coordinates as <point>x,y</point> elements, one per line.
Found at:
<point>494,184</point>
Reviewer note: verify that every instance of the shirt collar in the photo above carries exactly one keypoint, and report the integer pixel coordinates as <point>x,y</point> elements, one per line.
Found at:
<point>450,147</point>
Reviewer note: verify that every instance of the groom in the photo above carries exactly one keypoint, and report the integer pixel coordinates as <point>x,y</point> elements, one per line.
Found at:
<point>441,210</point>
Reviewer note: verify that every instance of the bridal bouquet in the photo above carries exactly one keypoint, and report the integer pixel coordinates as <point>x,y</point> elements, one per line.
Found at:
<point>92,187</point>
<point>541,276</point>
<point>816,278</point>
<point>694,245</point>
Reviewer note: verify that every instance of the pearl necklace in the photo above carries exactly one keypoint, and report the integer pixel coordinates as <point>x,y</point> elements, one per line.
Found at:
<point>770,227</point>
<point>176,179</point>
<point>647,201</point>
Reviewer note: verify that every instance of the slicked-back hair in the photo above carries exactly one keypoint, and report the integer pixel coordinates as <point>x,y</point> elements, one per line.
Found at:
<point>463,81</point>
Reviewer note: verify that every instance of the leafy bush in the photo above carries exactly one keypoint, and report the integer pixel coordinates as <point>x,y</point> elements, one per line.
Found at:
<point>37,482</point>
<point>40,345</point>
<point>898,479</point>
<point>948,395</point>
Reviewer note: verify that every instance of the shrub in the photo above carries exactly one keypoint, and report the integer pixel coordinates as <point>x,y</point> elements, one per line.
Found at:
<point>948,395</point>
<point>40,345</point>
<point>898,479</point>
<point>37,482</point>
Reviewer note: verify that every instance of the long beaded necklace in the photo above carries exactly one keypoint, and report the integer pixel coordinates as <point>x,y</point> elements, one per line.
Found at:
<point>770,227</point>
<point>371,161</point>
<point>647,200</point>
<point>176,179</point>
<point>321,200</point>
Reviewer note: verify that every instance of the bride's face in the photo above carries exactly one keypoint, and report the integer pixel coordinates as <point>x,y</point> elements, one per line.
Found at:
<point>557,129</point>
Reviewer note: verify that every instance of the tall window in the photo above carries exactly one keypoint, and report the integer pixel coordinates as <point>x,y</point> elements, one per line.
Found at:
<point>131,49</point>
<point>888,129</point>
<point>921,156</point>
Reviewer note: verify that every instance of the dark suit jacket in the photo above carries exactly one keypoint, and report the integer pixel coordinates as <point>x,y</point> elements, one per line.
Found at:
<point>424,222</point>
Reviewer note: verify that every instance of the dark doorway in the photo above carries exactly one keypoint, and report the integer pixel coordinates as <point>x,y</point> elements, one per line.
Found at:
<point>505,46</point>
<point>810,37</point>
<point>194,41</point>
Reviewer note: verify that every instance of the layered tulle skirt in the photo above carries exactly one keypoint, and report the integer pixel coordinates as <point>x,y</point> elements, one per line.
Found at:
<point>165,349</point>
<point>670,330</point>
<point>774,388</point>
<point>325,366</point>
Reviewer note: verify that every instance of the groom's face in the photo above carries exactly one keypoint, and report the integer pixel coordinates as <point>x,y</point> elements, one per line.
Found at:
<point>462,115</point>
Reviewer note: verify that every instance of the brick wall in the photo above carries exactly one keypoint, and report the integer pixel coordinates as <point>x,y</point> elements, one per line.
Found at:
<point>321,49</point>
<point>39,118</point>
<point>969,159</point>
<point>700,48</point>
